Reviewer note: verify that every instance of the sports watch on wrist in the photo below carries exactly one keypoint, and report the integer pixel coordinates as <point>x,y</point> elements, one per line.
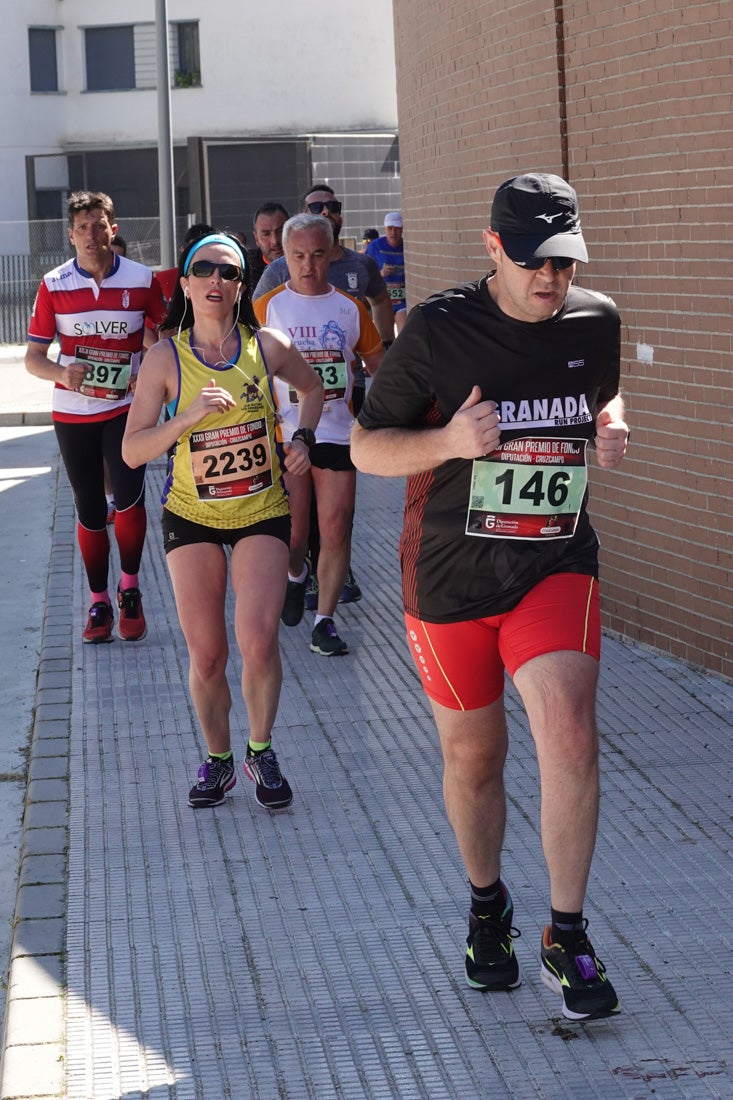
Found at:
<point>307,435</point>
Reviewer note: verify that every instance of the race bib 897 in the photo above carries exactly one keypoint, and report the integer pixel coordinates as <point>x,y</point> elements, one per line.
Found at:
<point>107,372</point>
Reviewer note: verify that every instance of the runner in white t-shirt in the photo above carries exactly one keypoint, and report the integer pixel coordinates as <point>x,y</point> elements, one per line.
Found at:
<point>330,329</point>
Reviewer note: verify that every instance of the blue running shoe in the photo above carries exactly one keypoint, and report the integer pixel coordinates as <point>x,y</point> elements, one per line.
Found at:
<point>350,593</point>
<point>311,593</point>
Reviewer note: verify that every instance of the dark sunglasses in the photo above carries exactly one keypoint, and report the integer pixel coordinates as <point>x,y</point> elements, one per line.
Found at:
<point>204,269</point>
<point>332,205</point>
<point>560,263</point>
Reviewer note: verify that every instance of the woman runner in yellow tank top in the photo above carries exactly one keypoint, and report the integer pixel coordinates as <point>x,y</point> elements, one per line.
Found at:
<point>225,488</point>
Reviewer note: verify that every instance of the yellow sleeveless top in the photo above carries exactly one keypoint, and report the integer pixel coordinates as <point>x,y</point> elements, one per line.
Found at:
<point>227,472</point>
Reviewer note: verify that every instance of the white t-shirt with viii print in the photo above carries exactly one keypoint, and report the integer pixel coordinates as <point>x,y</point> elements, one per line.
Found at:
<point>329,330</point>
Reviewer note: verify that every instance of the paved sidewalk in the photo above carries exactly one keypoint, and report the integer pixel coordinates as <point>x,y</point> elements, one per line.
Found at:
<point>317,953</point>
<point>23,399</point>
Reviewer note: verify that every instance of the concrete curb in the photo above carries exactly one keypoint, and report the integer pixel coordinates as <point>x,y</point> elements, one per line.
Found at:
<point>39,418</point>
<point>35,1004</point>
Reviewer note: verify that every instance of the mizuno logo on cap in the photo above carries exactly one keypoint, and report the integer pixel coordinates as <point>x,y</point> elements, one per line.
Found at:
<point>549,218</point>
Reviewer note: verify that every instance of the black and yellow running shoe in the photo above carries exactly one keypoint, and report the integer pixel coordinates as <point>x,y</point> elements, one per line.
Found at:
<point>490,960</point>
<point>575,972</point>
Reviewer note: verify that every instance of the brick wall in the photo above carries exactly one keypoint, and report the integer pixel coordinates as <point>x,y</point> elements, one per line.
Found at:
<point>633,103</point>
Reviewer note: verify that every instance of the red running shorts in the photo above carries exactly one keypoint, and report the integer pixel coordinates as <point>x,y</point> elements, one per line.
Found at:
<point>461,665</point>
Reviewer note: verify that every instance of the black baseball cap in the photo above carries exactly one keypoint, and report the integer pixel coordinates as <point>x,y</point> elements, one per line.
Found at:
<point>536,216</point>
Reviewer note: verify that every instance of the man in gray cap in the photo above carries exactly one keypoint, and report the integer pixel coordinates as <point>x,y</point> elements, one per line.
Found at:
<point>489,403</point>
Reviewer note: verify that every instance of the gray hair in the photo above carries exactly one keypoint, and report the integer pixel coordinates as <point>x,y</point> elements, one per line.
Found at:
<point>308,221</point>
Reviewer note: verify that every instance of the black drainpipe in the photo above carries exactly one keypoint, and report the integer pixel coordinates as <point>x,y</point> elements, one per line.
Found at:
<point>561,97</point>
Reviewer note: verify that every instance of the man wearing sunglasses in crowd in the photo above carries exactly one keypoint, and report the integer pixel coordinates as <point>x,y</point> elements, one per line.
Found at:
<point>358,275</point>
<point>489,403</point>
<point>353,272</point>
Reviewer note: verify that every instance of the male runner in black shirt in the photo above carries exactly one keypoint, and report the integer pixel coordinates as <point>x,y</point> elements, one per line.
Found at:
<point>489,402</point>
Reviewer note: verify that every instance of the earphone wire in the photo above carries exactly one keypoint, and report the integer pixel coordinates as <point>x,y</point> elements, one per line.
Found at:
<point>223,362</point>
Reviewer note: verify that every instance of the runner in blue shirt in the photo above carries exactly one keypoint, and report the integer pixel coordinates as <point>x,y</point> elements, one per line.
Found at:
<point>388,252</point>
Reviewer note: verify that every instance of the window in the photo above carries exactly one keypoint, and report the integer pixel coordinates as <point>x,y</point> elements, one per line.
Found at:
<point>124,57</point>
<point>42,53</point>
<point>187,65</point>
<point>110,58</point>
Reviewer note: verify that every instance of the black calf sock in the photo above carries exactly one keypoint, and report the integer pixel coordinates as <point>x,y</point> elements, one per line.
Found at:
<point>487,901</point>
<point>566,926</point>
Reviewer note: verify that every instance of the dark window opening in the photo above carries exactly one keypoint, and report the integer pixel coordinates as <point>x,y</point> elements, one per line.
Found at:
<point>188,73</point>
<point>110,58</point>
<point>42,53</point>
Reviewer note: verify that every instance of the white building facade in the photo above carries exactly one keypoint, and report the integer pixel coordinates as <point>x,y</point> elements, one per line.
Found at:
<point>265,100</point>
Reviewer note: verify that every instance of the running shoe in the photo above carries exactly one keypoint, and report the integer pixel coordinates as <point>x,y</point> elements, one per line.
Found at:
<point>311,594</point>
<point>578,976</point>
<point>350,593</point>
<point>326,641</point>
<point>294,605</point>
<point>99,623</point>
<point>131,626</point>
<point>272,789</point>
<point>490,960</point>
<point>215,778</point>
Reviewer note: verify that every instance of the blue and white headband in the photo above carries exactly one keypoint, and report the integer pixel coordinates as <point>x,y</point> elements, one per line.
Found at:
<point>215,238</point>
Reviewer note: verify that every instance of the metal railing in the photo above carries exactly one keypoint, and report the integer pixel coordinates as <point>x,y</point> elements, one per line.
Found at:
<point>17,289</point>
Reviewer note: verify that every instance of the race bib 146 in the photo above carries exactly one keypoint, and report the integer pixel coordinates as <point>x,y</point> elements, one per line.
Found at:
<point>529,488</point>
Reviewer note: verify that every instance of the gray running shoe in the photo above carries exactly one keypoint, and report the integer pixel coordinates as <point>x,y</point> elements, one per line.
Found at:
<point>214,779</point>
<point>272,789</point>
